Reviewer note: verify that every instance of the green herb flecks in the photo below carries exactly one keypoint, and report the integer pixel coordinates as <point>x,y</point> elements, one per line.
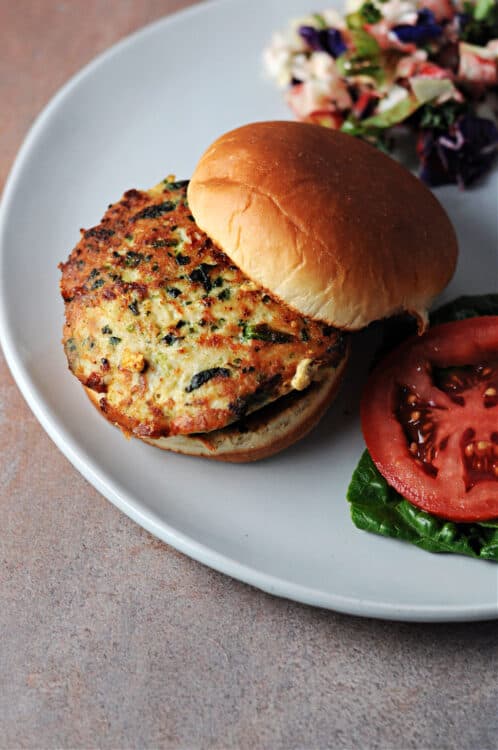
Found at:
<point>165,243</point>
<point>205,375</point>
<point>132,259</point>
<point>200,275</point>
<point>176,185</point>
<point>173,291</point>
<point>182,260</point>
<point>171,339</point>
<point>155,211</point>
<point>264,332</point>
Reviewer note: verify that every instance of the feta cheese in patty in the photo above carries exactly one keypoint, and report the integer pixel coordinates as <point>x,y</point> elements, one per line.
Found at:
<point>173,336</point>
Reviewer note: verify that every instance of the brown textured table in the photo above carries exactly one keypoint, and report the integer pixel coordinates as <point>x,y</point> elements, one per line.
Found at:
<point>109,638</point>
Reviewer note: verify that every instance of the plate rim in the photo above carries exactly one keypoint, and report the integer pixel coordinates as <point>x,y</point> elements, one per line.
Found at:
<point>132,507</point>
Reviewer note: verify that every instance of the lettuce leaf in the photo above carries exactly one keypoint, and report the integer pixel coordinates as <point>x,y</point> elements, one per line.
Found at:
<point>480,22</point>
<point>378,508</point>
<point>470,306</point>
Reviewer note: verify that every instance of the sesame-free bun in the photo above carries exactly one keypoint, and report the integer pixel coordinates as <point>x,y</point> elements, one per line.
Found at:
<point>331,226</point>
<point>264,432</point>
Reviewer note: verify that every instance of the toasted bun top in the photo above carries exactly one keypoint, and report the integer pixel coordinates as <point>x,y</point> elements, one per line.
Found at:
<point>327,223</point>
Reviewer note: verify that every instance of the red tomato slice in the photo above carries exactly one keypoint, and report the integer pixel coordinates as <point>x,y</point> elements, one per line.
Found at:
<point>430,419</point>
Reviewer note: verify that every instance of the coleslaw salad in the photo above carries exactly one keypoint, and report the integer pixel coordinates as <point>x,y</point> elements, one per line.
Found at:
<point>429,66</point>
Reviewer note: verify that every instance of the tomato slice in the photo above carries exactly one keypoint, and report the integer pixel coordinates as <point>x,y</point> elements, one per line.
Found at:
<point>429,415</point>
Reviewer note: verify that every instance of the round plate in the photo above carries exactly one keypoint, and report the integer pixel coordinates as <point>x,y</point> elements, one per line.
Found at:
<point>147,108</point>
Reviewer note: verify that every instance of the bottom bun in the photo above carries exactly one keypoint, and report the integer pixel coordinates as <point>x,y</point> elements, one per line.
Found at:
<point>264,432</point>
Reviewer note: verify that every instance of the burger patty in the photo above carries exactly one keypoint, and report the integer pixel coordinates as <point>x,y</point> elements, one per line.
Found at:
<point>173,336</point>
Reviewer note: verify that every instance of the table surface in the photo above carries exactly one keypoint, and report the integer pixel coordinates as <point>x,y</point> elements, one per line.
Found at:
<point>109,638</point>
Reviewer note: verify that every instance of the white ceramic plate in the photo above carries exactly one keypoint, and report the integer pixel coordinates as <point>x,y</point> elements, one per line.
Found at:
<point>146,108</point>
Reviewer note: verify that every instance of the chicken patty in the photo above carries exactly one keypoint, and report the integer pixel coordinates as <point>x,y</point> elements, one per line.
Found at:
<point>173,337</point>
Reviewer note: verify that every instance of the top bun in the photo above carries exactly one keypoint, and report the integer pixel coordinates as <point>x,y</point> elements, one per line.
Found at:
<point>328,224</point>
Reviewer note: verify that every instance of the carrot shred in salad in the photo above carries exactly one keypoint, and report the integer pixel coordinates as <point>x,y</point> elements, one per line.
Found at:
<point>428,67</point>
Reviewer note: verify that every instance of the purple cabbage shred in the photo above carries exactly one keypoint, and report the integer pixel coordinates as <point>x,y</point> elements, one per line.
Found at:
<point>423,31</point>
<point>461,155</point>
<point>323,40</point>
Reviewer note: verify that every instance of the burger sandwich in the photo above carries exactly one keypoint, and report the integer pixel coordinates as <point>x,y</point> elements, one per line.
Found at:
<point>212,317</point>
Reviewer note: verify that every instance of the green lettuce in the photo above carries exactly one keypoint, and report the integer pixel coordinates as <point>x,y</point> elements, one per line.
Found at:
<point>377,507</point>
<point>373,129</point>
<point>482,22</point>
<point>471,306</point>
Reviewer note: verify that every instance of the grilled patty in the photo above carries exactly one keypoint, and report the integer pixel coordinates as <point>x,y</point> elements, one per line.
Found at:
<point>173,336</point>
